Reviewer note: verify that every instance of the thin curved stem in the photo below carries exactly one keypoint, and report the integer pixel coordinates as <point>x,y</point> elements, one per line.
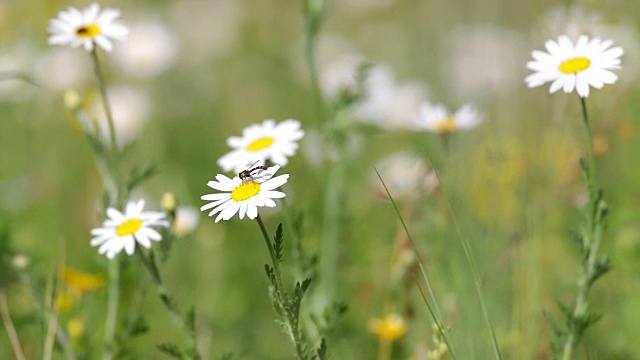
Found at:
<point>105,100</point>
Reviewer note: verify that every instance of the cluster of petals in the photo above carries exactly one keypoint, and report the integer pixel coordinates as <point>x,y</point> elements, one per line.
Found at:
<point>568,66</point>
<point>87,28</point>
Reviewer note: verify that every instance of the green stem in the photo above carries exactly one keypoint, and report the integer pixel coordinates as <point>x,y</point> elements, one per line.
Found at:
<point>331,229</point>
<point>113,298</point>
<point>313,19</point>
<point>272,252</point>
<point>11,329</point>
<point>174,314</point>
<point>592,240</point>
<point>105,100</point>
<point>289,315</point>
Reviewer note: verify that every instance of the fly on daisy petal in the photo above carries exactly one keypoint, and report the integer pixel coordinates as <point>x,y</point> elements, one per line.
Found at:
<point>244,196</point>
<point>262,142</point>
<point>123,230</point>
<point>569,66</point>
<point>87,28</point>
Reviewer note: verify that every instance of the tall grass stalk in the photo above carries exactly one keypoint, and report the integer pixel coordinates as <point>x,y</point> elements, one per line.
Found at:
<point>313,16</point>
<point>472,267</point>
<point>591,268</point>
<point>10,328</point>
<point>437,316</point>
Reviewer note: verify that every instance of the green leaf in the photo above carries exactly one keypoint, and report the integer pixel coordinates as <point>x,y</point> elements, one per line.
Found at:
<point>278,243</point>
<point>322,350</point>
<point>191,319</point>
<point>139,174</point>
<point>171,349</point>
<point>139,327</point>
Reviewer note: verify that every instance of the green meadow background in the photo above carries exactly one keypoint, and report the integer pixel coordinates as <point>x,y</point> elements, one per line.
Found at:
<point>513,183</point>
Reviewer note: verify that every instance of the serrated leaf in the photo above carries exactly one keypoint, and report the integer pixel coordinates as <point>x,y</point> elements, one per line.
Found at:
<point>139,174</point>
<point>139,327</point>
<point>191,319</point>
<point>170,349</point>
<point>322,350</point>
<point>278,243</point>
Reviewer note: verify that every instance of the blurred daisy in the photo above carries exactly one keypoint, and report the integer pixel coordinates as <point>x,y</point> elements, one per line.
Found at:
<point>187,220</point>
<point>261,142</point>
<point>150,50</point>
<point>244,196</point>
<point>404,175</point>
<point>390,328</point>
<point>122,231</point>
<point>131,109</point>
<point>437,119</point>
<point>84,28</point>
<point>569,66</point>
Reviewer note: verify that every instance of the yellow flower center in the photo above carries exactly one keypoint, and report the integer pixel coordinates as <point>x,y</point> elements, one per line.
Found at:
<point>261,143</point>
<point>574,65</point>
<point>391,328</point>
<point>88,31</point>
<point>129,227</point>
<point>245,191</point>
<point>447,125</point>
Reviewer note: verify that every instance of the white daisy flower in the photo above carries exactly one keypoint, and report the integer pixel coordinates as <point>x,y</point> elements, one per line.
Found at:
<point>261,142</point>
<point>244,196</point>
<point>122,231</point>
<point>569,66</point>
<point>84,28</point>
<point>436,118</point>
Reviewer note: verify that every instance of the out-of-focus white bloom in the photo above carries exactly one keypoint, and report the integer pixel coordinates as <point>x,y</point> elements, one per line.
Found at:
<point>341,77</point>
<point>360,7</point>
<point>483,61</point>
<point>61,69</point>
<point>437,119</point>
<point>186,221</point>
<point>85,28</point>
<point>150,50</point>
<point>572,21</point>
<point>406,176</point>
<point>379,99</point>
<point>206,28</point>
<point>568,66</point>
<point>11,89</point>
<point>131,110</point>
<point>123,230</point>
<point>262,142</point>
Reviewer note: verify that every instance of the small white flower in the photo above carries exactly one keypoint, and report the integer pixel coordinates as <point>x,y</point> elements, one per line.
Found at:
<point>436,118</point>
<point>569,66</point>
<point>150,50</point>
<point>84,28</point>
<point>405,176</point>
<point>122,231</point>
<point>244,197</point>
<point>131,108</point>
<point>186,221</point>
<point>261,142</point>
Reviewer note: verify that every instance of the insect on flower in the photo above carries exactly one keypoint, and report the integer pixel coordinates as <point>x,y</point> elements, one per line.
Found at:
<point>251,172</point>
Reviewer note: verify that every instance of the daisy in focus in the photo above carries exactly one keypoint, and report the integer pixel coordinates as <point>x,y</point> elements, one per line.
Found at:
<point>122,231</point>
<point>568,66</point>
<point>244,196</point>
<point>87,28</point>
<point>261,142</point>
<point>437,119</point>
